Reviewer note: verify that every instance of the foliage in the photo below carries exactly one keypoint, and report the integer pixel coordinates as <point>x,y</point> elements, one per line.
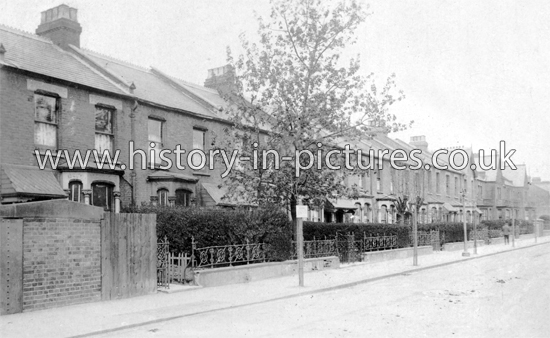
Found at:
<point>498,224</point>
<point>301,96</point>
<point>212,227</point>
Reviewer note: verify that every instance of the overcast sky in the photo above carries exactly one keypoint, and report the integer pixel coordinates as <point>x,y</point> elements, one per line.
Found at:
<point>474,72</point>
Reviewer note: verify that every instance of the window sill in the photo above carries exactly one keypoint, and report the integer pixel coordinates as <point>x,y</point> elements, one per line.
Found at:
<point>198,173</point>
<point>43,149</point>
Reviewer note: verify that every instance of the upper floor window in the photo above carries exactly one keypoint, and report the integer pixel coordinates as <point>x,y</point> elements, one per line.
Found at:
<point>437,183</point>
<point>198,143</point>
<point>75,191</point>
<point>45,120</point>
<point>155,140</point>
<point>103,129</point>
<point>456,186</point>
<point>447,185</point>
<point>479,191</point>
<point>379,180</point>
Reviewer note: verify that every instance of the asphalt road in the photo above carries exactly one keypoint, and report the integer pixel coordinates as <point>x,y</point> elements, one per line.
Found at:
<point>505,295</point>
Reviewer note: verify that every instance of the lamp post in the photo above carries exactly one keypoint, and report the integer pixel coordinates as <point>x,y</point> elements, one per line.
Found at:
<point>465,253</point>
<point>473,217</point>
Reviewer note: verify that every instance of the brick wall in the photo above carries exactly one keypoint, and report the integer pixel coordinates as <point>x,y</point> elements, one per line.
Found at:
<point>61,262</point>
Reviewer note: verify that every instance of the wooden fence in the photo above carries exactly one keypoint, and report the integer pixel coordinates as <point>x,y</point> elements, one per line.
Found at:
<point>129,255</point>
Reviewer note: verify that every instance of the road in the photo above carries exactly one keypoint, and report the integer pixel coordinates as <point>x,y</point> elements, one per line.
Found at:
<point>505,295</point>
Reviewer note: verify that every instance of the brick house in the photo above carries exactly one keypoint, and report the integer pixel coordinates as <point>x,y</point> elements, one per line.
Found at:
<point>56,96</point>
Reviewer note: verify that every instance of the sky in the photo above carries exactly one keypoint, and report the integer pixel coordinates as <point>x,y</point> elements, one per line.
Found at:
<point>473,72</point>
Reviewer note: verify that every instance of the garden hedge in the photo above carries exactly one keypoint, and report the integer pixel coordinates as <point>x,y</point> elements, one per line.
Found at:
<point>212,227</point>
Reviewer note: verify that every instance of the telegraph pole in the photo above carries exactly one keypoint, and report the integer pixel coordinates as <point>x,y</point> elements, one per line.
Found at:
<point>301,212</point>
<point>473,217</point>
<point>415,236</point>
<point>465,253</point>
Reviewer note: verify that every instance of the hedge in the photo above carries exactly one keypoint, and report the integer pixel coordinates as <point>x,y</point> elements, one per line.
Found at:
<point>522,225</point>
<point>212,227</point>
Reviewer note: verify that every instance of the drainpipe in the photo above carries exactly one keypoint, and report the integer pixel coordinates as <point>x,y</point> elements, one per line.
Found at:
<point>132,139</point>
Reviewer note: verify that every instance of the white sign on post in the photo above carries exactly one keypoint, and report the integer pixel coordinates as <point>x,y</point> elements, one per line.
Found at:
<point>301,211</point>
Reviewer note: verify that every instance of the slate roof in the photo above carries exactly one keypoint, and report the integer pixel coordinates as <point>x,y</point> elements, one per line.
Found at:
<point>516,177</point>
<point>32,181</point>
<point>149,87</point>
<point>39,55</point>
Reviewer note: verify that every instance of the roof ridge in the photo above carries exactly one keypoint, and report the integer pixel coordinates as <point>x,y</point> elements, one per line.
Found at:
<point>192,83</point>
<point>21,32</point>
<point>87,65</point>
<point>114,59</point>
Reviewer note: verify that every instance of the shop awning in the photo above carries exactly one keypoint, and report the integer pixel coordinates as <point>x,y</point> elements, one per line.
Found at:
<point>30,182</point>
<point>449,208</point>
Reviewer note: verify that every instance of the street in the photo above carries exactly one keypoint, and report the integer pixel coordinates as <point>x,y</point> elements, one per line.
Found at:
<point>504,295</point>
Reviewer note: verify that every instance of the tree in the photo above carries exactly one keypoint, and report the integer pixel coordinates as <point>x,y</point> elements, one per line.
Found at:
<point>292,94</point>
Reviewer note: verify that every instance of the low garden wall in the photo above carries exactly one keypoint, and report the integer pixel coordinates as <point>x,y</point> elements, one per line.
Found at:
<point>455,246</point>
<point>260,271</point>
<point>386,255</point>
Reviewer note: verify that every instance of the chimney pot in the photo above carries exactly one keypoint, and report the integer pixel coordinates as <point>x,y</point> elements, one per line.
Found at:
<point>60,24</point>
<point>221,78</point>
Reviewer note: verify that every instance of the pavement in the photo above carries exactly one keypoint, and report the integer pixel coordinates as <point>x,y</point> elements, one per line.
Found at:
<point>92,319</point>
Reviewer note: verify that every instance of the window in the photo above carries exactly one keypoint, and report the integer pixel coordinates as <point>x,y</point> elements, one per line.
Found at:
<point>498,193</point>
<point>479,191</point>
<point>102,196</point>
<point>183,198</point>
<point>162,195</point>
<point>437,183</point>
<point>360,181</point>
<point>366,213</point>
<point>45,120</point>
<point>103,129</point>
<point>198,143</point>
<point>447,185</point>
<point>75,192</point>
<point>456,186</point>
<point>379,180</point>
<point>384,214</point>
<point>155,140</point>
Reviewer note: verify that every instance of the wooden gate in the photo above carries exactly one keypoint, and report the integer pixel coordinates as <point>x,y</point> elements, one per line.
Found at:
<point>128,255</point>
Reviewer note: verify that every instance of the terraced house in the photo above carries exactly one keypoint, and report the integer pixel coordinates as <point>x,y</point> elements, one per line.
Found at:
<point>56,96</point>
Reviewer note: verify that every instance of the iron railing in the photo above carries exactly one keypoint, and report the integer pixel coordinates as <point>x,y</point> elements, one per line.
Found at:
<point>426,238</point>
<point>317,248</point>
<point>227,255</point>
<point>163,270</point>
<point>347,247</point>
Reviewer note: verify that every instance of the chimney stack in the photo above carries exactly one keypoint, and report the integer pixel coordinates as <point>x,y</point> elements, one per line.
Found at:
<point>2,52</point>
<point>419,142</point>
<point>222,79</point>
<point>60,24</point>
